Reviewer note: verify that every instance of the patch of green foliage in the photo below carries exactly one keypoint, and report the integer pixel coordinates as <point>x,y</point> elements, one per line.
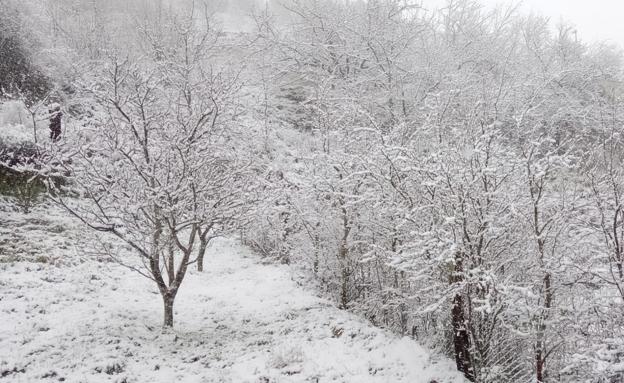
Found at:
<point>25,188</point>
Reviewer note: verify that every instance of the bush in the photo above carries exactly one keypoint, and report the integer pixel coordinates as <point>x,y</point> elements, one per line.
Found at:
<point>26,188</point>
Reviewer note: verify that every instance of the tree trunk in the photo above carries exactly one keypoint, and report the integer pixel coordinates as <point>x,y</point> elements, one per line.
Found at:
<point>170,262</point>
<point>204,240</point>
<point>168,299</point>
<point>343,254</point>
<point>540,357</point>
<point>344,288</point>
<point>539,364</point>
<point>200,256</point>
<point>461,337</point>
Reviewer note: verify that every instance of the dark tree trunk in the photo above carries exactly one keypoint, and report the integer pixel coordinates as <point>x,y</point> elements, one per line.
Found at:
<point>344,289</point>
<point>200,256</point>
<point>171,263</point>
<point>539,364</point>
<point>540,353</point>
<point>204,240</point>
<point>168,300</point>
<point>461,337</point>
<point>343,255</point>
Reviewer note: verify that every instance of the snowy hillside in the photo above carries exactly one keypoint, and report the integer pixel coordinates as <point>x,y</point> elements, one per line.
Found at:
<point>65,316</point>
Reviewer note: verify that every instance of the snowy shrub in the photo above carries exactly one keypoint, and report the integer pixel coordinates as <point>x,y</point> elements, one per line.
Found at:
<point>25,187</point>
<point>286,356</point>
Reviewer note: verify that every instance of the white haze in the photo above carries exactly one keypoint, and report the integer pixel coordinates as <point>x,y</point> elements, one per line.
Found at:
<point>598,21</point>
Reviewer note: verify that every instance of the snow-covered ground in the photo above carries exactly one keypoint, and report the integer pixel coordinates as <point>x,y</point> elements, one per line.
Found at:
<point>67,316</point>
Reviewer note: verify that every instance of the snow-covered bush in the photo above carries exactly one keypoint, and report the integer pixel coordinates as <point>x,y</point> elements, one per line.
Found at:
<point>287,356</point>
<point>18,154</point>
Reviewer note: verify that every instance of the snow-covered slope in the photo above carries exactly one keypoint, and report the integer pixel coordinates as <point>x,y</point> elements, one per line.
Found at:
<point>81,320</point>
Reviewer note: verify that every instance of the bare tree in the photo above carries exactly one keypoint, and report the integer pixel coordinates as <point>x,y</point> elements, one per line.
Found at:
<point>155,172</point>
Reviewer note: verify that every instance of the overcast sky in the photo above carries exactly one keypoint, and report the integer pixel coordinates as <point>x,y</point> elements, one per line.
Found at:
<point>595,20</point>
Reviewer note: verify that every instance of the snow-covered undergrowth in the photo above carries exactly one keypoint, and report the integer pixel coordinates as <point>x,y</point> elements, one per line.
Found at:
<point>66,315</point>
<point>16,125</point>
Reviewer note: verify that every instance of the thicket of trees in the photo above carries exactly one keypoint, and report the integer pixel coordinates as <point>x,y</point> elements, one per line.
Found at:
<point>458,178</point>
<point>451,175</point>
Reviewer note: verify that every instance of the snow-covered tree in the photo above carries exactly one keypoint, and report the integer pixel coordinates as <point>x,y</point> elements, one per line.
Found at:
<point>160,170</point>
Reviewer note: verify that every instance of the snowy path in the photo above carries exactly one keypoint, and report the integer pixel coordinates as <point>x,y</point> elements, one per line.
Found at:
<point>240,321</point>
